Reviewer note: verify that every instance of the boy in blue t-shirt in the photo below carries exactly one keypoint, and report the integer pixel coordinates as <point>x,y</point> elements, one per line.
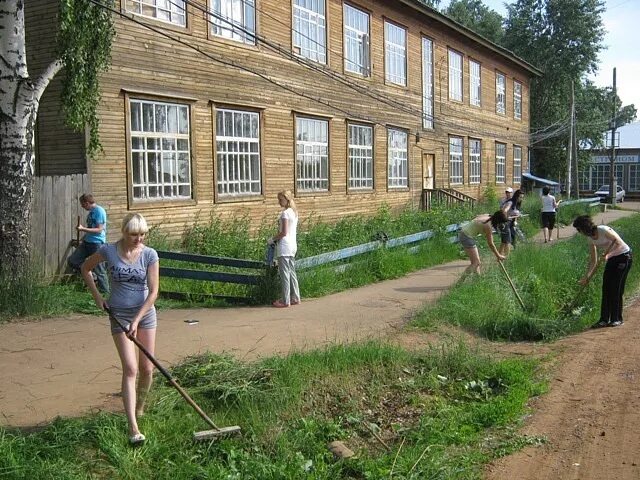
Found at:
<point>95,235</point>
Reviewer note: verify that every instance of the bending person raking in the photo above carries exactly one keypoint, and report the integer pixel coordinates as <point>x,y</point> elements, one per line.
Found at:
<point>618,257</point>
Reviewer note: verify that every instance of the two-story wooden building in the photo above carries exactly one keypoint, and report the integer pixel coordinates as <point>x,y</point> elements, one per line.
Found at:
<point>212,107</point>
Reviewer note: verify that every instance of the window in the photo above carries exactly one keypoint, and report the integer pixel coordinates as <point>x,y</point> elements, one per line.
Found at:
<point>475,161</point>
<point>397,159</point>
<point>427,83</point>
<point>599,176</point>
<point>160,150</point>
<point>583,177</point>
<point>475,86</point>
<point>170,11</point>
<point>312,155</point>
<point>517,164</point>
<point>501,155</point>
<point>237,152</point>
<point>517,100</point>
<point>360,157</point>
<point>455,76</point>
<point>501,100</point>
<point>234,19</point>
<point>309,29</point>
<point>395,54</point>
<point>634,178</point>
<point>455,160</point>
<point>356,41</point>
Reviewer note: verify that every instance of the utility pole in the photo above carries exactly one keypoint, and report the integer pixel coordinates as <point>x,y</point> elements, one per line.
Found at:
<point>576,175</point>
<point>570,146</point>
<point>614,122</point>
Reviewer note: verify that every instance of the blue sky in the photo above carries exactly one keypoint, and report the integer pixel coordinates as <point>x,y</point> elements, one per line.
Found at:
<point>621,20</point>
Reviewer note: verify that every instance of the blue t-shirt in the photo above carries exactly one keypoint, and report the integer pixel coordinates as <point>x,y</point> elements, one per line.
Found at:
<point>97,216</point>
<point>129,286</point>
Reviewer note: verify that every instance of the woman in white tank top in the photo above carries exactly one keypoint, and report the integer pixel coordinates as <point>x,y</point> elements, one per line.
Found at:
<point>619,260</point>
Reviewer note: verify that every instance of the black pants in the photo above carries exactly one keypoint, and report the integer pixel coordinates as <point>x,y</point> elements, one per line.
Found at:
<point>613,280</point>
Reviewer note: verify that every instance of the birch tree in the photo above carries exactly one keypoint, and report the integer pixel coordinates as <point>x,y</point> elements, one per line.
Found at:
<point>84,46</point>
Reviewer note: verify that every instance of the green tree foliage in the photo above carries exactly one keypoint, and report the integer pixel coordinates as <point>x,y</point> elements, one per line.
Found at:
<point>430,3</point>
<point>563,38</point>
<point>476,16</point>
<point>84,47</point>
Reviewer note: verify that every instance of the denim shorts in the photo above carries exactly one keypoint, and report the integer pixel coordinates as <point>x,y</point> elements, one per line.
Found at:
<point>466,241</point>
<point>125,315</point>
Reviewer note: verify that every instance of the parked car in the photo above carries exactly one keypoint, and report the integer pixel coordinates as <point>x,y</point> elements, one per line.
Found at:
<point>603,193</point>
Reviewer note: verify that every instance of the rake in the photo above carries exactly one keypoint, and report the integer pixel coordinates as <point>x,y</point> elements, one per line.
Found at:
<point>513,287</point>
<point>198,436</point>
<point>593,272</point>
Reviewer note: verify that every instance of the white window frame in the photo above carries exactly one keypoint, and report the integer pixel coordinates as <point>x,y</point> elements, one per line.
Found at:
<point>238,162</point>
<point>456,158</point>
<point>395,53</point>
<point>517,100</point>
<point>357,24</point>
<point>360,148</point>
<point>234,19</point>
<point>517,164</point>
<point>634,177</point>
<point>501,93</point>
<point>310,29</point>
<point>427,83</point>
<point>397,158</point>
<point>475,83</point>
<point>160,141</point>
<point>312,154</point>
<point>475,161</point>
<point>455,76</point>
<point>501,161</point>
<point>168,11</point>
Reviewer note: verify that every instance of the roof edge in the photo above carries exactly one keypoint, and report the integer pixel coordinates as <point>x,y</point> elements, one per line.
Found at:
<point>467,32</point>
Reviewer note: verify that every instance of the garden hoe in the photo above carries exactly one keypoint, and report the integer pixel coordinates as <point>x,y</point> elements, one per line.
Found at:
<point>513,287</point>
<point>203,435</point>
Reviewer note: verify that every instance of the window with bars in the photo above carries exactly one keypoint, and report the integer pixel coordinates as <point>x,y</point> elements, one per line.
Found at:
<point>501,99</point>
<point>517,100</point>
<point>427,83</point>
<point>237,152</point>
<point>395,53</point>
<point>397,157</point>
<point>455,76</point>
<point>501,157</point>
<point>517,164</point>
<point>310,29</point>
<point>634,178</point>
<point>475,85</point>
<point>356,41</point>
<point>312,155</point>
<point>475,161</point>
<point>170,11</point>
<point>234,19</point>
<point>160,150</point>
<point>360,157</point>
<point>455,160</point>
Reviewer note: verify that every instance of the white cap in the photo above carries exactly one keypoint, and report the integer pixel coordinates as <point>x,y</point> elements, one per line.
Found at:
<point>509,189</point>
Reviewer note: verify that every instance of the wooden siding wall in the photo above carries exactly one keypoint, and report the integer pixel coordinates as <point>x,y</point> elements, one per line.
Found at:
<point>54,219</point>
<point>59,150</point>
<point>148,65</point>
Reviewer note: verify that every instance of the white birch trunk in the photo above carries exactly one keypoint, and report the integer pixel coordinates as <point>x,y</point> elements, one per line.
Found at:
<point>19,99</point>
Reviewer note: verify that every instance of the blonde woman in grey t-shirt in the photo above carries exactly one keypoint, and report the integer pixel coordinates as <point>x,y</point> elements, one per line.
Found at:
<point>134,273</point>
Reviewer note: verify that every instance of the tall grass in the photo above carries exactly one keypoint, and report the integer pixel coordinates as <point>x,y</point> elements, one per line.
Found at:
<point>451,402</point>
<point>546,279</point>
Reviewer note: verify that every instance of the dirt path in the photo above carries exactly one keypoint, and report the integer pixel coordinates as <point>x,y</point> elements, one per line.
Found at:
<point>68,366</point>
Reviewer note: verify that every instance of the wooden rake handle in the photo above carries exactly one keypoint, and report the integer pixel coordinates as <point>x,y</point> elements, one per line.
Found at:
<point>513,287</point>
<point>164,372</point>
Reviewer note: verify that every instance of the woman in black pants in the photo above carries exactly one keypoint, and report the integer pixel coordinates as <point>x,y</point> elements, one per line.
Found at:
<point>619,260</point>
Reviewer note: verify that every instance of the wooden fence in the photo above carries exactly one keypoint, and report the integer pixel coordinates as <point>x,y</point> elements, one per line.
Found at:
<point>53,220</point>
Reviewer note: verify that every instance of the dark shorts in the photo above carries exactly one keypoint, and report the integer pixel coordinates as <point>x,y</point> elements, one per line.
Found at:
<point>548,220</point>
<point>125,315</point>
<point>505,233</point>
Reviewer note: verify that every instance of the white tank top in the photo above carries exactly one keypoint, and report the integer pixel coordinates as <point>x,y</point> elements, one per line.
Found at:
<point>603,242</point>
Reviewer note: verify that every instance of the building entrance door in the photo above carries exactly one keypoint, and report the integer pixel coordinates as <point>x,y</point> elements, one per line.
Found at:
<point>428,170</point>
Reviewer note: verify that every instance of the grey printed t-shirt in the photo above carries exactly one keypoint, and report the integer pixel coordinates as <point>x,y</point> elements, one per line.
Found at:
<point>129,287</point>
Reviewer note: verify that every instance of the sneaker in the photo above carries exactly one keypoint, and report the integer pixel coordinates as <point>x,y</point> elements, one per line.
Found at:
<point>137,439</point>
<point>600,324</point>
<point>279,304</point>
<point>295,303</point>
<point>617,323</point>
